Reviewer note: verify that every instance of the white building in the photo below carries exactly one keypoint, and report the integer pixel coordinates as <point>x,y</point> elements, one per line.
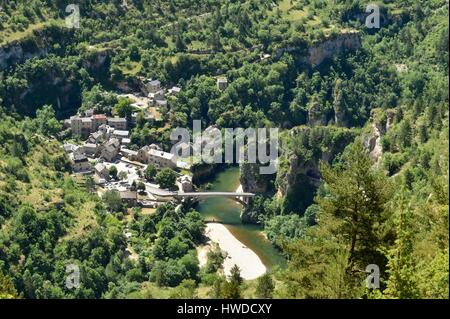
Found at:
<point>222,83</point>
<point>161,159</point>
<point>174,90</point>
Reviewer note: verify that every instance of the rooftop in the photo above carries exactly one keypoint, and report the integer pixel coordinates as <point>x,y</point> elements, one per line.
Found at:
<point>121,133</point>
<point>99,116</point>
<point>155,82</point>
<point>114,142</point>
<point>100,167</point>
<point>77,157</point>
<point>68,147</point>
<point>128,151</point>
<point>128,195</point>
<point>117,119</point>
<point>161,154</point>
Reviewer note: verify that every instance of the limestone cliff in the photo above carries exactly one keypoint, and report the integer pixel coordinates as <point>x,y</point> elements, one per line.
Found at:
<point>337,44</point>
<point>379,125</point>
<point>317,52</point>
<point>299,175</point>
<point>38,44</point>
<point>251,179</point>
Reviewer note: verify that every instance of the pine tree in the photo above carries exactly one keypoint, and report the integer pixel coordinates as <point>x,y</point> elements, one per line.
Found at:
<point>357,194</point>
<point>235,274</point>
<point>265,287</point>
<point>7,289</point>
<point>231,290</point>
<point>401,282</point>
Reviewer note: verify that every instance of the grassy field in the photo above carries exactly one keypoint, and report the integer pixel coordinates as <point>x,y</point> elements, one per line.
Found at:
<point>9,36</point>
<point>287,11</point>
<point>131,68</point>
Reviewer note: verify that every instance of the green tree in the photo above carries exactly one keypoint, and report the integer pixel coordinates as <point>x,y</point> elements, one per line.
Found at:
<point>166,178</point>
<point>124,108</point>
<point>123,175</point>
<point>185,290</point>
<point>46,121</point>
<point>235,274</point>
<point>89,184</point>
<point>7,289</point>
<point>140,186</point>
<point>113,201</point>
<point>150,172</point>
<point>231,290</point>
<point>265,287</point>
<point>356,196</point>
<point>113,171</point>
<point>401,269</point>
<point>214,260</point>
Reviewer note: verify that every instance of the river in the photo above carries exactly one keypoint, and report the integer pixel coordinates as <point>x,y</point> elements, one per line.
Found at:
<point>227,211</point>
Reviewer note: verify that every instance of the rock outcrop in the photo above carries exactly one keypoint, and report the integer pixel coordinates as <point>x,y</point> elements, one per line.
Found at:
<point>337,44</point>
<point>379,127</point>
<point>251,179</point>
<point>298,175</point>
<point>202,172</point>
<point>38,44</point>
<point>316,53</point>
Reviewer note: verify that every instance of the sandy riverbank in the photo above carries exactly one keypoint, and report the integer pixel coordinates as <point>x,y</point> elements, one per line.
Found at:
<point>237,253</point>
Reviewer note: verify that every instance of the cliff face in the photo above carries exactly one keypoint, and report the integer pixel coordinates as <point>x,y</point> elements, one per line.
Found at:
<point>202,172</point>
<point>372,142</point>
<point>56,85</point>
<point>309,171</point>
<point>251,179</point>
<point>299,173</point>
<point>14,53</point>
<point>318,52</point>
<point>325,49</point>
<point>37,44</point>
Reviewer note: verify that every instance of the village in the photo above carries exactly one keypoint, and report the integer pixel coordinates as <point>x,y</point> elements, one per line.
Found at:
<point>104,155</point>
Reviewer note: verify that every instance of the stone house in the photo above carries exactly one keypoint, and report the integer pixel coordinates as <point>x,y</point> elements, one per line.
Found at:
<point>130,154</point>
<point>142,154</point>
<point>110,149</point>
<point>90,149</point>
<point>79,162</point>
<point>162,159</point>
<point>153,86</point>
<point>121,134</point>
<point>95,138</point>
<point>98,120</point>
<point>129,198</point>
<point>118,123</point>
<point>102,171</point>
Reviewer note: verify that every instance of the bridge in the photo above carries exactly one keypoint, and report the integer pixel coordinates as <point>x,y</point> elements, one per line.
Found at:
<point>240,197</point>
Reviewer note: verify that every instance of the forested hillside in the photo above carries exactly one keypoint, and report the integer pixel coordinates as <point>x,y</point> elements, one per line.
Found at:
<point>364,161</point>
